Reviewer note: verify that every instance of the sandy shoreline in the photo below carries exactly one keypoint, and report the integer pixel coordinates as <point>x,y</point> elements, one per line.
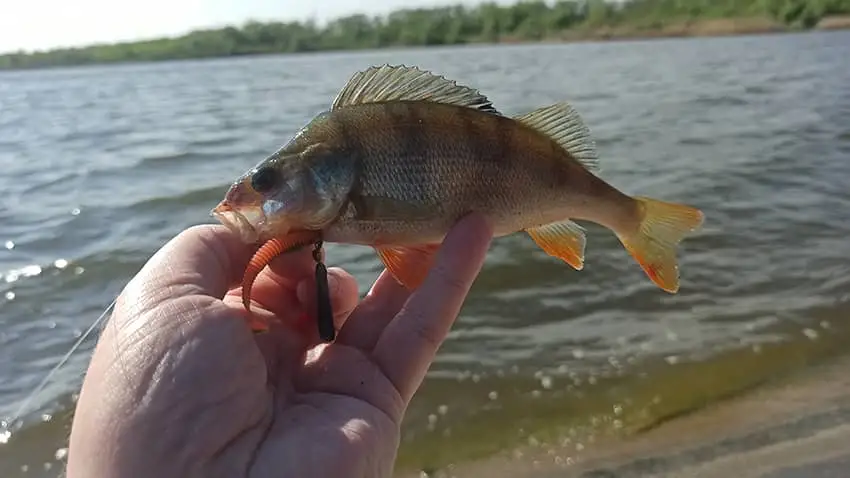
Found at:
<point>796,428</point>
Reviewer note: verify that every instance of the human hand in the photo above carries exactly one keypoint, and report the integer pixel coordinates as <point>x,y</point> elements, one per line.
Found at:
<point>179,386</point>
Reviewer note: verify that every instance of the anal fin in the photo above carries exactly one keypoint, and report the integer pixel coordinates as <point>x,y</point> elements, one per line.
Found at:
<point>564,240</point>
<point>409,265</point>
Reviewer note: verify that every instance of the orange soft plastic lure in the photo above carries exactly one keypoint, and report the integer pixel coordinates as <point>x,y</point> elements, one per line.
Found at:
<point>268,251</point>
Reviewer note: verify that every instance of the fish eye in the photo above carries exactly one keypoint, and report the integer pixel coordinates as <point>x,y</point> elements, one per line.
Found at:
<point>264,180</point>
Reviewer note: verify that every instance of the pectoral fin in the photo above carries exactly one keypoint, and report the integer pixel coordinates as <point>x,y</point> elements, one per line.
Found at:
<point>564,240</point>
<point>408,264</point>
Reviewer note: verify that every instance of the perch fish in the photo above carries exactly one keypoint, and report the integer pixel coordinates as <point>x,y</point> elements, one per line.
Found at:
<point>402,154</point>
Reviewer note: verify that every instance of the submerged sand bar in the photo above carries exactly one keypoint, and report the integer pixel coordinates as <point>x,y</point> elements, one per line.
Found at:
<point>797,428</point>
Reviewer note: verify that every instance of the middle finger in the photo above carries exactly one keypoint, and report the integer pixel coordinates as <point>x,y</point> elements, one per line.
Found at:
<point>376,310</point>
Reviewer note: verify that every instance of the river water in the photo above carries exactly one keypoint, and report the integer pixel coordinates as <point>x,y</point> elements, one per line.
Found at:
<point>102,165</point>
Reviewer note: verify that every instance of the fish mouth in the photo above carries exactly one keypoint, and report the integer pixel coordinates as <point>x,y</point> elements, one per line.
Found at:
<point>245,222</point>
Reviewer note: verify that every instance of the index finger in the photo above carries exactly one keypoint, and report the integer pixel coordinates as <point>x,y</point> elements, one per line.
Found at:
<point>409,343</point>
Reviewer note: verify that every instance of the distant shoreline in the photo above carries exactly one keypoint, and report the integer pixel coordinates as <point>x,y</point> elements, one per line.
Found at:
<point>742,26</point>
<point>700,28</point>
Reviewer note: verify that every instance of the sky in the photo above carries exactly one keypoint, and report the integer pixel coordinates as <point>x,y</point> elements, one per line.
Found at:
<point>44,24</point>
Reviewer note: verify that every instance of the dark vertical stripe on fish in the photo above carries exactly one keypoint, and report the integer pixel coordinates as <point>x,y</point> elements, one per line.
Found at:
<point>504,138</point>
<point>469,128</point>
<point>426,153</point>
<point>562,172</point>
<point>514,153</point>
<point>477,145</point>
<point>346,136</point>
<point>402,116</point>
<point>404,145</point>
<point>419,148</point>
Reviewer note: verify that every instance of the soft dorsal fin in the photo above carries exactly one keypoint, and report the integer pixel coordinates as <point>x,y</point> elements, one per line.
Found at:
<point>562,123</point>
<point>402,83</point>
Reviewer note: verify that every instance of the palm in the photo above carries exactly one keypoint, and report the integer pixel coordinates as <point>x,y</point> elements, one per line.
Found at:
<point>334,402</point>
<point>179,386</point>
<point>333,420</point>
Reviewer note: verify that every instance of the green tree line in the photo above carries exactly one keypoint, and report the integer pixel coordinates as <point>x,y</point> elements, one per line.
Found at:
<point>487,22</point>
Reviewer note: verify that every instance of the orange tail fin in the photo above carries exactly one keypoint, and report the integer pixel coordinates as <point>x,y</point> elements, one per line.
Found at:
<point>654,244</point>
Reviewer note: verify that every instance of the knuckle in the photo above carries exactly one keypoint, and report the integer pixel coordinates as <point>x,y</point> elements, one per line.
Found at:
<point>426,332</point>
<point>449,279</point>
<point>428,335</point>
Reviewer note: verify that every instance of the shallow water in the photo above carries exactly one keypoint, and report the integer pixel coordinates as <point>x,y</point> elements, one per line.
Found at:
<point>102,165</point>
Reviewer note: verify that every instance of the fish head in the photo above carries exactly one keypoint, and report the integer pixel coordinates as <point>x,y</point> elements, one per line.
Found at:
<point>288,191</point>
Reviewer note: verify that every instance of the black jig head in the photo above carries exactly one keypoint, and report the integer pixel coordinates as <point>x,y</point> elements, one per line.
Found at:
<point>324,316</point>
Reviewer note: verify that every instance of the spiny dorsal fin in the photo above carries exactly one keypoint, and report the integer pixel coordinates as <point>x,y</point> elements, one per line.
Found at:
<point>563,124</point>
<point>401,83</point>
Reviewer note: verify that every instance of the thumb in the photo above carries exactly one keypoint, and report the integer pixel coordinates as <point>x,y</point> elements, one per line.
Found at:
<point>205,259</point>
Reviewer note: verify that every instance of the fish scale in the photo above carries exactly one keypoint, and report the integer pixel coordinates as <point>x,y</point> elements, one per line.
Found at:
<point>448,176</point>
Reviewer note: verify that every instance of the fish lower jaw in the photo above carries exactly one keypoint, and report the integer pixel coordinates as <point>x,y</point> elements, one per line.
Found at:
<point>237,223</point>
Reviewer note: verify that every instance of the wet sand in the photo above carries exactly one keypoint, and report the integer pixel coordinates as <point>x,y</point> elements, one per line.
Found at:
<point>824,454</point>
<point>798,427</point>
